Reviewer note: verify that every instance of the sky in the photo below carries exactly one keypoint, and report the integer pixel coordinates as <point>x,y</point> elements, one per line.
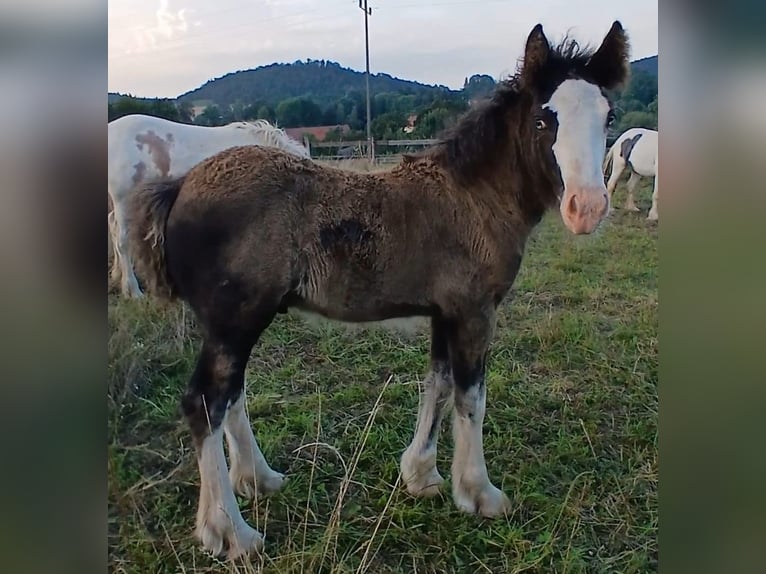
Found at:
<point>163,48</point>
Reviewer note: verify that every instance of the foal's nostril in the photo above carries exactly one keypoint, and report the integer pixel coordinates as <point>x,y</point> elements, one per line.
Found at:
<point>572,206</point>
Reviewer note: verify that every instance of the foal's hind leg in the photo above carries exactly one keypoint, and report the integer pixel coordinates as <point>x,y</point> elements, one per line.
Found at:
<point>418,463</point>
<point>218,382</point>
<point>471,488</point>
<point>630,204</point>
<point>250,473</point>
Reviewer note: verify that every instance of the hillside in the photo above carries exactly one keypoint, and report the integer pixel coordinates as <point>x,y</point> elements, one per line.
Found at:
<point>114,97</point>
<point>323,81</point>
<point>648,65</point>
<point>321,93</point>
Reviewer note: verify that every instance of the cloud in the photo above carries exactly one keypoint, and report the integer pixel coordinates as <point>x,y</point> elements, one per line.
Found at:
<point>168,24</point>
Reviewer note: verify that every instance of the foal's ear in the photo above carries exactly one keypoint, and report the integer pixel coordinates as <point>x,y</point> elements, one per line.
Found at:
<point>610,65</point>
<point>535,55</point>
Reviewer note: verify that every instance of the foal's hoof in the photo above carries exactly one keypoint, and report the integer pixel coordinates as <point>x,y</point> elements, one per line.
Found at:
<point>228,538</point>
<point>247,485</point>
<point>420,476</point>
<point>488,501</point>
<point>632,208</point>
<point>425,485</point>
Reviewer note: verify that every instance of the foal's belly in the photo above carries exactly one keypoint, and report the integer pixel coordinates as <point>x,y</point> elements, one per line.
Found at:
<point>372,311</point>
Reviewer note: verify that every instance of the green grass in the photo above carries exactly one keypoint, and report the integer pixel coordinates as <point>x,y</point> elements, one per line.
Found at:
<point>570,431</point>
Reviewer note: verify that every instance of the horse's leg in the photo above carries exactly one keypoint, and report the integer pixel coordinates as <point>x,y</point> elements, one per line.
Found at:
<point>418,463</point>
<point>129,283</point>
<point>618,165</point>
<point>653,213</point>
<point>630,204</point>
<point>471,488</point>
<point>114,273</point>
<point>217,383</point>
<point>250,474</point>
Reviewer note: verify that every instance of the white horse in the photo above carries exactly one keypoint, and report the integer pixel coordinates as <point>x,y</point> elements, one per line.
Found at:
<point>635,149</point>
<point>145,148</point>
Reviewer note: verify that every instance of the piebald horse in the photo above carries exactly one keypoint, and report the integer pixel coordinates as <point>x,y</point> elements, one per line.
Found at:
<point>254,231</point>
<point>637,150</point>
<point>146,148</point>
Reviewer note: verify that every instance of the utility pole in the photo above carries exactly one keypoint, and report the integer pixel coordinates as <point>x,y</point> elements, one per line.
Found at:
<point>367,13</point>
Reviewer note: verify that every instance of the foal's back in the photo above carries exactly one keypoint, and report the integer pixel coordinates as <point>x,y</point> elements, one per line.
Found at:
<point>352,246</point>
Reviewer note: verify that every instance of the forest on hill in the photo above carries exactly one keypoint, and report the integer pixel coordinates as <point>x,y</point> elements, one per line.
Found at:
<point>318,92</point>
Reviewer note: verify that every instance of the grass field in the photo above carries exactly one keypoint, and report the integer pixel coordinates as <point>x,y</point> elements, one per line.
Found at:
<point>570,432</point>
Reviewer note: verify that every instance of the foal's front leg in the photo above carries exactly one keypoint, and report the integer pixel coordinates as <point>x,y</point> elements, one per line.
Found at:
<point>471,488</point>
<point>250,473</point>
<point>218,379</point>
<point>418,463</point>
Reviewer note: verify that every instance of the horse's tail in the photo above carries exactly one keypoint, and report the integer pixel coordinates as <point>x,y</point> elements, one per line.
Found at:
<point>609,156</point>
<point>148,207</point>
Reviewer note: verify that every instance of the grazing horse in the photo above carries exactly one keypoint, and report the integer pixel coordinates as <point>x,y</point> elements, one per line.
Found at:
<point>635,149</point>
<point>146,148</point>
<point>253,231</point>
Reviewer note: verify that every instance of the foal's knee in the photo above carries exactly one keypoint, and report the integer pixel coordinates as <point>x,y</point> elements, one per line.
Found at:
<point>217,382</point>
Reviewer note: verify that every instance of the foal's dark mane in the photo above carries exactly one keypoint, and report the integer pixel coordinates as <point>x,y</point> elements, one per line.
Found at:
<point>497,130</point>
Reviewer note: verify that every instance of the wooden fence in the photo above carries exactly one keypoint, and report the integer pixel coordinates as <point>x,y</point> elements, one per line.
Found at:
<point>383,151</point>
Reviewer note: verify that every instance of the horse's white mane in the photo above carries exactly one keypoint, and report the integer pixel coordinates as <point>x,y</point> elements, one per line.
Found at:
<point>273,136</point>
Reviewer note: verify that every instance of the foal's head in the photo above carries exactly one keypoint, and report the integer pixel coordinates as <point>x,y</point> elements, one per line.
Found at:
<point>570,116</point>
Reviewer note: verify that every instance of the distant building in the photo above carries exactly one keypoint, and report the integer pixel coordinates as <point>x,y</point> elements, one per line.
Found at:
<point>410,127</point>
<point>196,111</point>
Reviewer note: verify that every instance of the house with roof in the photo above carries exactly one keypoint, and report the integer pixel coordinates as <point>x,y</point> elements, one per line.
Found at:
<point>410,127</point>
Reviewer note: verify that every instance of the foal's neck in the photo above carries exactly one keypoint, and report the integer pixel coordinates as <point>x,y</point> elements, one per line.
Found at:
<point>517,184</point>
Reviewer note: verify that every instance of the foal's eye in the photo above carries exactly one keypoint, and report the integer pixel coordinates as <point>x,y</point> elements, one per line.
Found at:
<point>540,124</point>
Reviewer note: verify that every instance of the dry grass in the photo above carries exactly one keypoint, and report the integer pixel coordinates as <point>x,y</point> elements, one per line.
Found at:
<point>570,433</point>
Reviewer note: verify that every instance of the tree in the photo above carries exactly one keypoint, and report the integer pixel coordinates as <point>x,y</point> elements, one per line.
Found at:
<point>297,112</point>
<point>642,87</point>
<point>330,116</point>
<point>637,119</point>
<point>478,86</point>
<point>430,123</point>
<point>266,113</point>
<point>185,112</point>
<point>163,109</point>
<point>129,105</point>
<point>211,116</point>
<point>388,126</point>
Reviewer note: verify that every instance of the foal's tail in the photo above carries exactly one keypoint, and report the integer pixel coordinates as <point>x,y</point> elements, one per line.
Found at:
<point>148,207</point>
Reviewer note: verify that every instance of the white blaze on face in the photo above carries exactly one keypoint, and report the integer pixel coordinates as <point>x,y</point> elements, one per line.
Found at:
<point>581,111</point>
<point>580,145</point>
